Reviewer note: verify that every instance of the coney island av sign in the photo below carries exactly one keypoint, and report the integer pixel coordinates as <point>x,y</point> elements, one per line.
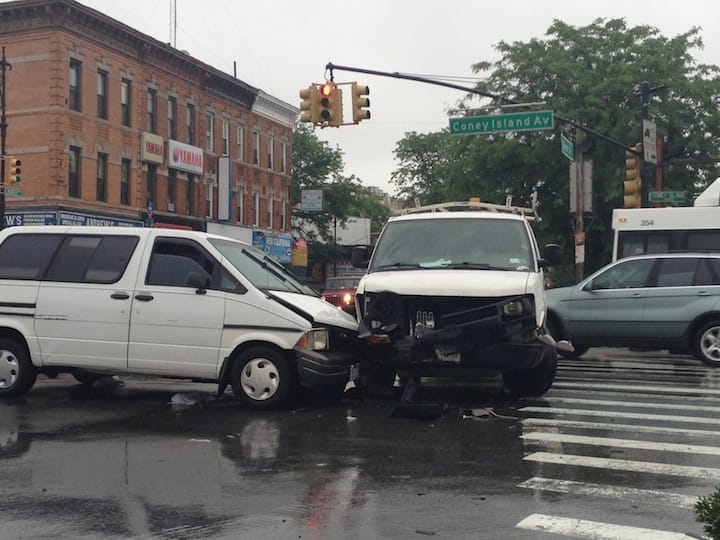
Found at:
<point>502,123</point>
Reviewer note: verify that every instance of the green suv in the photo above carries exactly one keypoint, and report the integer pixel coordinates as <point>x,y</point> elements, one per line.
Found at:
<point>660,301</point>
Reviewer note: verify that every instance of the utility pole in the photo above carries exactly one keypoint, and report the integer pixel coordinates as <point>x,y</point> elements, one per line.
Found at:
<point>3,134</point>
<point>644,90</point>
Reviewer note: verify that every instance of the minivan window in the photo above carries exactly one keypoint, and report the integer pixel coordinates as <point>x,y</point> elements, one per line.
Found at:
<point>25,256</point>
<point>92,259</point>
<point>262,271</point>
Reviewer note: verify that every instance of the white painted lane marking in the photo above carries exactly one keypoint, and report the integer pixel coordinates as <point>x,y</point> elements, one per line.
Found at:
<point>635,495</point>
<point>596,530</point>
<point>590,385</point>
<point>639,405</point>
<point>619,414</point>
<point>688,471</point>
<point>622,443</point>
<point>532,423</point>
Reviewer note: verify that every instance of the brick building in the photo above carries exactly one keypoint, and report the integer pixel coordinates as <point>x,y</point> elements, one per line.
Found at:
<point>115,127</point>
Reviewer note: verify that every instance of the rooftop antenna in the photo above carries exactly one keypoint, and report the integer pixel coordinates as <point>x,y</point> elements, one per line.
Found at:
<point>173,23</point>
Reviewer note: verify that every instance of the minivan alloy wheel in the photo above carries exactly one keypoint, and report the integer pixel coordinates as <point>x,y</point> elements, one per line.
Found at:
<point>9,368</point>
<point>262,378</point>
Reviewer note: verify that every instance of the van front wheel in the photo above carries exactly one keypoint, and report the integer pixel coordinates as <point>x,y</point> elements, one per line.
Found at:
<point>17,374</point>
<point>536,380</point>
<point>261,377</point>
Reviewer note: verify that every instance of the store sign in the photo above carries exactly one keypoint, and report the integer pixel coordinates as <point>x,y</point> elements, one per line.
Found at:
<point>152,148</point>
<point>184,157</point>
<point>278,246</point>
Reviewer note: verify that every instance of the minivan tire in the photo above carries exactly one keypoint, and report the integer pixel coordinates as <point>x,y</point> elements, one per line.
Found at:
<point>262,378</point>
<point>17,374</point>
<point>706,343</point>
<point>534,381</point>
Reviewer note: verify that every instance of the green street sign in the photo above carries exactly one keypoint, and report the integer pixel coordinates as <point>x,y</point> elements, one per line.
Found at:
<point>502,123</point>
<point>13,191</point>
<point>567,147</point>
<point>667,196</point>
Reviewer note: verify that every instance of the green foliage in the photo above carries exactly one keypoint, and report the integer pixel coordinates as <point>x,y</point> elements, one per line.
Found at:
<point>590,75</point>
<point>707,510</point>
<point>317,166</point>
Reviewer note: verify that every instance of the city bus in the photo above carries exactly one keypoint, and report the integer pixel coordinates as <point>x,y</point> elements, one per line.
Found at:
<point>669,229</point>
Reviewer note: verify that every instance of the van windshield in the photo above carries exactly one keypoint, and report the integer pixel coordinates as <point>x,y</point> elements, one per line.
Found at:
<point>470,243</point>
<point>263,271</point>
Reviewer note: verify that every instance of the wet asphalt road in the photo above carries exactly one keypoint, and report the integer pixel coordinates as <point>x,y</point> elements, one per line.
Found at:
<point>620,447</point>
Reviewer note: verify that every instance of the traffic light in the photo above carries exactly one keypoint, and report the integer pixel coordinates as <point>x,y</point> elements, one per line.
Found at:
<point>310,104</point>
<point>331,104</point>
<point>15,171</point>
<point>360,102</point>
<point>633,182</point>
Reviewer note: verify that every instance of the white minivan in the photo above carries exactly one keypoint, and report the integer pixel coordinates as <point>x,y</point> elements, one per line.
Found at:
<point>96,301</point>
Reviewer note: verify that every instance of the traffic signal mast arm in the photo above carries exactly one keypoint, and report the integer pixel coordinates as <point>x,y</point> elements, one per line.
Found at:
<point>330,66</point>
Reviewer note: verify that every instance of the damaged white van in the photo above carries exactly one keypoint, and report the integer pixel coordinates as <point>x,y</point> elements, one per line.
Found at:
<point>94,301</point>
<point>457,289</point>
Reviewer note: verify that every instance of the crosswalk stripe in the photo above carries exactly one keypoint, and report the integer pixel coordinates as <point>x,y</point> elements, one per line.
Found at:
<point>553,422</point>
<point>622,443</point>
<point>582,528</point>
<point>591,384</point>
<point>635,495</point>
<point>689,471</point>
<point>635,404</point>
<point>621,414</point>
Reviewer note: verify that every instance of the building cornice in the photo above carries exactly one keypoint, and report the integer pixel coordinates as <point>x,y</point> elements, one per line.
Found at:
<point>275,109</point>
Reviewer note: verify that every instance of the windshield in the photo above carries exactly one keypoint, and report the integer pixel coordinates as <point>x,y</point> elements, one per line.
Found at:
<point>494,244</point>
<point>262,271</point>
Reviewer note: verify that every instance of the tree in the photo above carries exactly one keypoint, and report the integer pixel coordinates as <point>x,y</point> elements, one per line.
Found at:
<point>587,74</point>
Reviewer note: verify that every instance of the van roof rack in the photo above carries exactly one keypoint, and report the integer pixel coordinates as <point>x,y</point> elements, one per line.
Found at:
<point>528,213</point>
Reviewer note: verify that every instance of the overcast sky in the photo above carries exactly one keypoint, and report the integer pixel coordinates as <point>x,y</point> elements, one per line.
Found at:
<point>282,46</point>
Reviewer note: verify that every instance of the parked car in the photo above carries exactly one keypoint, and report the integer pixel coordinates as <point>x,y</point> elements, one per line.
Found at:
<point>95,301</point>
<point>340,292</point>
<point>660,301</point>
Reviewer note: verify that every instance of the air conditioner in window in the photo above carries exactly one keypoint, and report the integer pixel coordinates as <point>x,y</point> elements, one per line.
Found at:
<point>171,207</point>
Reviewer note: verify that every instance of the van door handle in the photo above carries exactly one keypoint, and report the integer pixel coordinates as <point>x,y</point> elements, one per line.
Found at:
<point>120,296</point>
<point>144,297</point>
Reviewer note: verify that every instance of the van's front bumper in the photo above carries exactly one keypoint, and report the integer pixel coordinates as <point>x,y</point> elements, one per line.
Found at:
<point>324,368</point>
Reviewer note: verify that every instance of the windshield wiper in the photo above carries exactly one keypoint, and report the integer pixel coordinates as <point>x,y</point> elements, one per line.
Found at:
<point>398,266</point>
<point>474,266</point>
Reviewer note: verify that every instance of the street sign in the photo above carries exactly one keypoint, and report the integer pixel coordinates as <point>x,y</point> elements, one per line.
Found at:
<point>667,196</point>
<point>502,123</point>
<point>649,141</point>
<point>13,191</point>
<point>567,147</point>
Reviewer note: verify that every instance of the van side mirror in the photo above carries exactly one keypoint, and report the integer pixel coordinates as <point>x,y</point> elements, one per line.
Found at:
<point>359,257</point>
<point>552,255</point>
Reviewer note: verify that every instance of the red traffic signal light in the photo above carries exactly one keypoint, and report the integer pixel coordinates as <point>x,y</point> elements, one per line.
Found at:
<point>331,104</point>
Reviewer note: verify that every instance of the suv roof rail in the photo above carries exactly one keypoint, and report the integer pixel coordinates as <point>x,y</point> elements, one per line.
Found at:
<point>527,213</point>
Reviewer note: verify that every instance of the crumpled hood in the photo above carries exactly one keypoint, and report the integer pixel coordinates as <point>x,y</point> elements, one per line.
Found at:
<point>322,312</point>
<point>450,282</point>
